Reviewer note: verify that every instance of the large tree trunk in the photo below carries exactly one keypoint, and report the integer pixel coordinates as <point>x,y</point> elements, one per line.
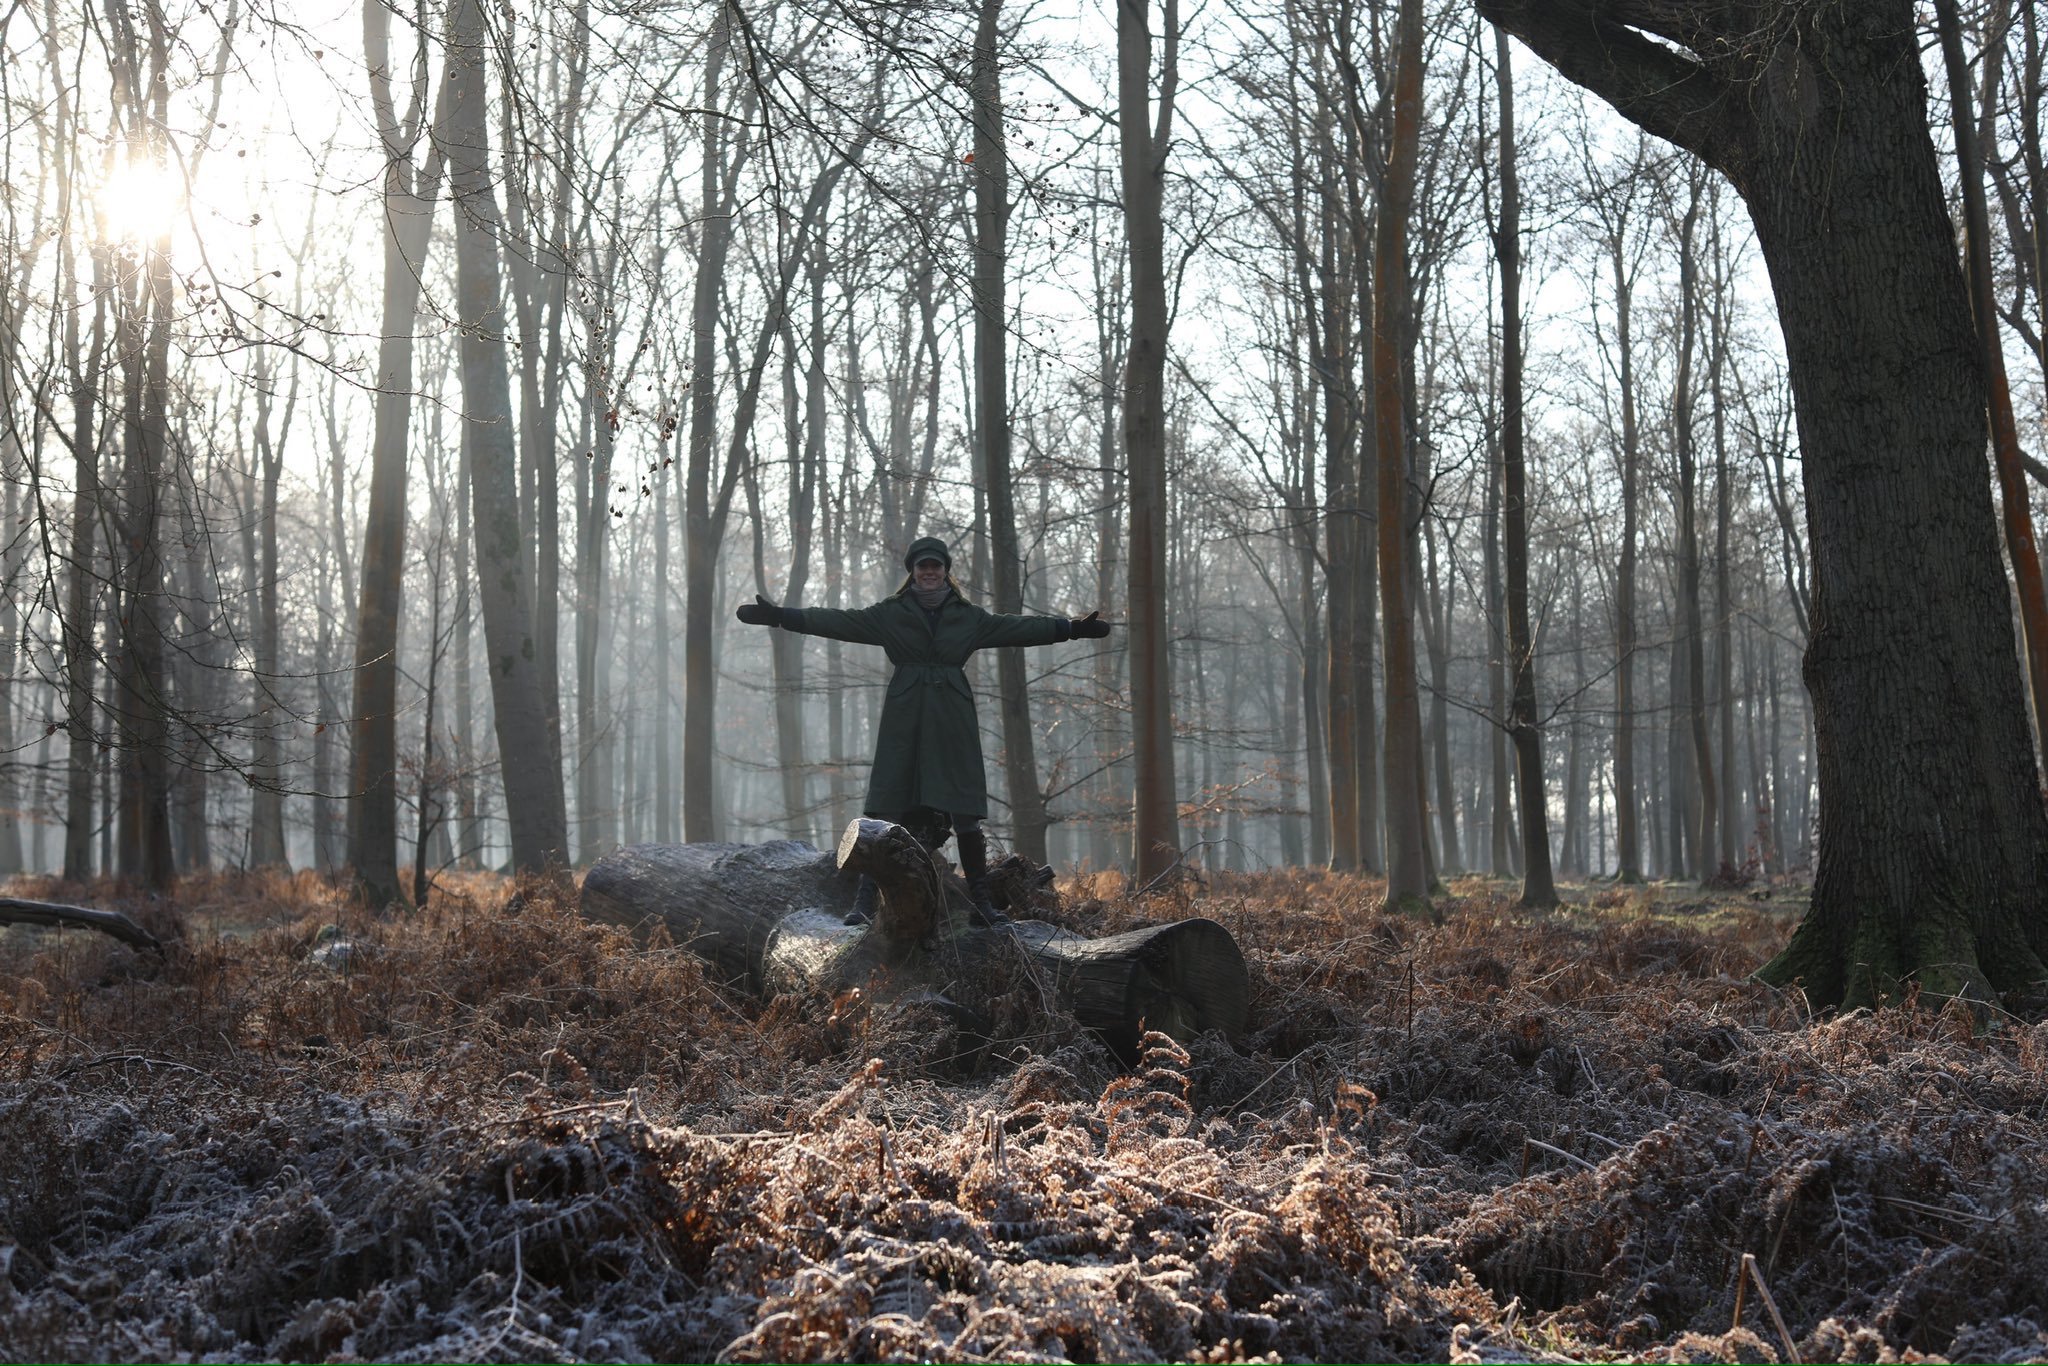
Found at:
<point>534,812</point>
<point>770,918</point>
<point>1933,862</point>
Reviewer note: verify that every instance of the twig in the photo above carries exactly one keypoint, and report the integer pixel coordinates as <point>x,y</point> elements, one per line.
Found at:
<point>1764,1293</point>
<point>1925,1208</point>
<point>103,1059</point>
<point>1569,1157</point>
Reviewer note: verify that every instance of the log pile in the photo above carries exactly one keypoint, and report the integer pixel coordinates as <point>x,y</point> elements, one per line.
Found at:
<point>771,918</point>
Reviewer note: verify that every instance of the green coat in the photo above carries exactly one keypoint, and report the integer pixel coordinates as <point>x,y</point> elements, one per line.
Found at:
<point>928,745</point>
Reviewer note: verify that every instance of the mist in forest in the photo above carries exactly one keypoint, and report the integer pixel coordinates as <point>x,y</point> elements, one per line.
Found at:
<point>398,403</point>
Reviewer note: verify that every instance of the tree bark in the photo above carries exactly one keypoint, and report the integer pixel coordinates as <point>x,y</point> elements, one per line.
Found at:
<point>1933,859</point>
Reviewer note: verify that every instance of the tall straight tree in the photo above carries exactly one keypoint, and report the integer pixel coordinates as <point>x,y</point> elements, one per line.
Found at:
<point>84,358</point>
<point>1719,304</point>
<point>1144,144</point>
<point>1538,887</point>
<point>717,187</point>
<point>1933,860</point>
<point>1407,854</point>
<point>1615,204</point>
<point>1689,693</point>
<point>409,192</point>
<point>141,684</point>
<point>531,770</point>
<point>992,407</point>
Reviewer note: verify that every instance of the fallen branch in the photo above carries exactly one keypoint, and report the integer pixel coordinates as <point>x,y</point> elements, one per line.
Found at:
<point>15,911</point>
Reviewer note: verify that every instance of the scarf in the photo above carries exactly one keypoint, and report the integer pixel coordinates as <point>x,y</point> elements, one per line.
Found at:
<point>931,599</point>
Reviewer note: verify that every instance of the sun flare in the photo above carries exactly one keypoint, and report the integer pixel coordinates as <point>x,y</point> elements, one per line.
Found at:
<point>140,200</point>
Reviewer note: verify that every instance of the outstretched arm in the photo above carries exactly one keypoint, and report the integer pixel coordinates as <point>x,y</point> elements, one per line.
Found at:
<point>999,629</point>
<point>857,627</point>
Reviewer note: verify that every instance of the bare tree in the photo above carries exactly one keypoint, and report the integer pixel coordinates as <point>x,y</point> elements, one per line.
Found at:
<point>1933,839</point>
<point>1538,888</point>
<point>409,192</point>
<point>532,772</point>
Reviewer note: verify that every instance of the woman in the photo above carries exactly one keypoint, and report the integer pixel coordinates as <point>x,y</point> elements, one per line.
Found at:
<point>928,775</point>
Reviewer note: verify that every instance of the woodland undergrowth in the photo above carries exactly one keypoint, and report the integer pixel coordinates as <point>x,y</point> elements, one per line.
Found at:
<point>490,1131</point>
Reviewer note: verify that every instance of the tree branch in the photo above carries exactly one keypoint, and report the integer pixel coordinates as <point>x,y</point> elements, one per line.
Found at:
<point>1593,44</point>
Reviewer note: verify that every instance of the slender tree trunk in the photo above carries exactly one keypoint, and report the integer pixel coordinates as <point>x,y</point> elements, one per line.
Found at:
<point>266,797</point>
<point>2005,441</point>
<point>144,681</point>
<point>1729,822</point>
<point>1628,837</point>
<point>1407,873</point>
<point>1442,600</point>
<point>1156,823</point>
<point>534,812</point>
<point>408,221</point>
<point>700,675</point>
<point>1538,888</point>
<point>81,714</point>
<point>992,412</point>
<point>1704,804</point>
<point>1501,859</point>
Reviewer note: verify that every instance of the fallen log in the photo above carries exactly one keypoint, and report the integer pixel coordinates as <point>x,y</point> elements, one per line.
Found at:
<point>16,911</point>
<point>771,918</point>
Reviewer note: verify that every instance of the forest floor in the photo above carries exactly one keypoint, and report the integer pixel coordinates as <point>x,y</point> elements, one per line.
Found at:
<point>495,1132</point>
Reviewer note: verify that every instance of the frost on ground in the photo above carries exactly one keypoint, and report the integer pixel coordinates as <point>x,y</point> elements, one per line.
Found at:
<point>493,1132</point>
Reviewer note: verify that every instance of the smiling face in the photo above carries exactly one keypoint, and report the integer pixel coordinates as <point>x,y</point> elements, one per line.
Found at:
<point>929,574</point>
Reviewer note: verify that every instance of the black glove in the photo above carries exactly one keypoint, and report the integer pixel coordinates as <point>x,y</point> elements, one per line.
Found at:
<point>760,612</point>
<point>1091,626</point>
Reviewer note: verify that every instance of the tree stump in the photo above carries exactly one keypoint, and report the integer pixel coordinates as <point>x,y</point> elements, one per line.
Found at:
<point>770,919</point>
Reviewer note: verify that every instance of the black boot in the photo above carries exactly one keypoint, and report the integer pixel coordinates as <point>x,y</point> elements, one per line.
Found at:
<point>973,846</point>
<point>863,912</point>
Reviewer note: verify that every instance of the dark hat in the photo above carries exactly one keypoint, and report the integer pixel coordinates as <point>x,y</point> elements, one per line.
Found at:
<point>927,548</point>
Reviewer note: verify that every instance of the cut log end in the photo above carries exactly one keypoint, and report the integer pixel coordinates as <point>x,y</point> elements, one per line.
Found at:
<point>913,900</point>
